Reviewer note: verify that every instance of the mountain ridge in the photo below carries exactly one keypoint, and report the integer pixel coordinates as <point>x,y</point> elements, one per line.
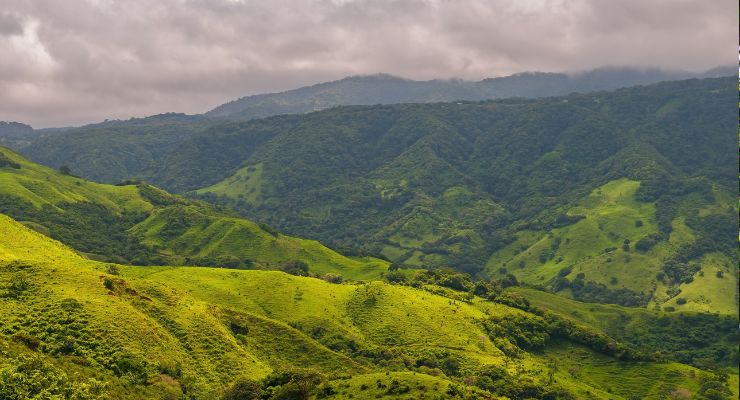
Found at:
<point>402,90</point>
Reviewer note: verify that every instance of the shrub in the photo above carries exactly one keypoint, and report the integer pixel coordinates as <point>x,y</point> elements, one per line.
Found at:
<point>29,341</point>
<point>647,243</point>
<point>19,284</point>
<point>131,369</point>
<point>30,377</point>
<point>269,229</point>
<point>6,162</point>
<point>566,271</point>
<point>454,390</point>
<point>244,389</point>
<point>395,277</point>
<point>333,278</point>
<point>298,268</point>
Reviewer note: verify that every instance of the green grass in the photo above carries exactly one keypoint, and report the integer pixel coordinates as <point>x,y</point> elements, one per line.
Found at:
<point>685,334</point>
<point>393,385</point>
<point>219,236</point>
<point>610,212</point>
<point>245,184</point>
<point>610,215</point>
<point>603,377</point>
<point>708,292</point>
<point>198,329</point>
<point>41,185</point>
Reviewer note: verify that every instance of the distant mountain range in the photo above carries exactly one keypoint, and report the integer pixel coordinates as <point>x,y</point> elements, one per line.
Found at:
<point>388,89</point>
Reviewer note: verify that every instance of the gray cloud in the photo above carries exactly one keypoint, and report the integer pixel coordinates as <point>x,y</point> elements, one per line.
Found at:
<point>10,24</point>
<point>80,61</point>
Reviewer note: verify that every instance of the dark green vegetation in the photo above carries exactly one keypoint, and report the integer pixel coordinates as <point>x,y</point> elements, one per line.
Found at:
<point>82,329</point>
<point>17,135</point>
<point>625,197</point>
<point>622,197</point>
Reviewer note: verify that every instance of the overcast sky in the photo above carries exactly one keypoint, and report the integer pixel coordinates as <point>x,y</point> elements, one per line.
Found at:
<point>69,62</point>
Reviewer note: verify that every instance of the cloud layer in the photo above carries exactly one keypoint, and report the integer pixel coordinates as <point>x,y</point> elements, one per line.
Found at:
<point>78,61</point>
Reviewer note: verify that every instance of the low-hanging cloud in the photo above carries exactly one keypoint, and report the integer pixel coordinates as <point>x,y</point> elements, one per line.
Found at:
<point>77,61</point>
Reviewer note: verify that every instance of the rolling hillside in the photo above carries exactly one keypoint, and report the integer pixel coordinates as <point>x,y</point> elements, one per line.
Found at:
<point>142,224</point>
<point>551,191</point>
<point>98,330</point>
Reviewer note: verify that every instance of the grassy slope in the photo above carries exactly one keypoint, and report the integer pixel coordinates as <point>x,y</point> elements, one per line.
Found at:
<point>168,316</point>
<point>210,233</point>
<point>40,185</point>
<point>217,236</point>
<point>610,215</point>
<point>244,185</point>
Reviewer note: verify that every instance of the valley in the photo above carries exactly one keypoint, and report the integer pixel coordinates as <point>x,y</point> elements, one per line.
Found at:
<point>576,247</point>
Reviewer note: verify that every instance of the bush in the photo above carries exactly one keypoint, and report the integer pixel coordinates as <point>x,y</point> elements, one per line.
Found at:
<point>647,243</point>
<point>395,277</point>
<point>19,284</point>
<point>30,377</point>
<point>6,162</point>
<point>333,278</point>
<point>269,229</point>
<point>295,384</point>
<point>29,341</point>
<point>297,268</point>
<point>131,369</point>
<point>244,389</point>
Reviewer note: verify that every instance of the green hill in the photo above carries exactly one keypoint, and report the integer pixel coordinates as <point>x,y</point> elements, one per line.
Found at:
<point>142,224</point>
<point>603,257</point>
<point>78,328</point>
<point>549,190</point>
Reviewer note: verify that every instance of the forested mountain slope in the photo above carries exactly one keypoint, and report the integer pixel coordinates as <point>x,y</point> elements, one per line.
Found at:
<point>114,150</point>
<point>76,328</point>
<point>622,197</point>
